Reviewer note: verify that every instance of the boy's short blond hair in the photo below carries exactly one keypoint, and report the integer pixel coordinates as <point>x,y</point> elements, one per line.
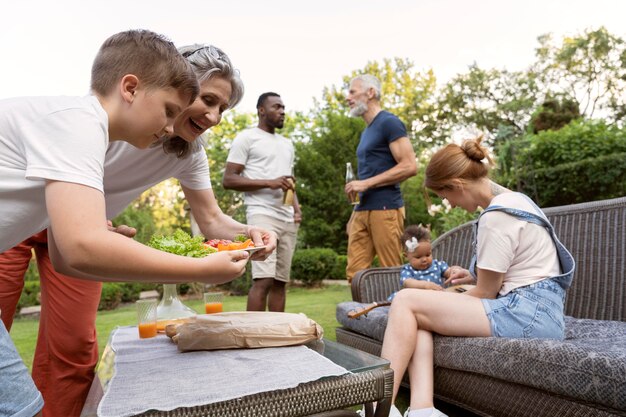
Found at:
<point>149,56</point>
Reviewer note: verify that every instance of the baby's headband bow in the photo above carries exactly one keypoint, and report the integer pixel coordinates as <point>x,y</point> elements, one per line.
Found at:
<point>411,244</point>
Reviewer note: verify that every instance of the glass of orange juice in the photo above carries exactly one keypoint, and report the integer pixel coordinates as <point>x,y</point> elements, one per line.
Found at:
<point>147,318</point>
<point>213,302</point>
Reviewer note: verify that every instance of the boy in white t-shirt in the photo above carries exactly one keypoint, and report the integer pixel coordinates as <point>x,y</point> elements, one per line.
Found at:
<point>67,352</point>
<point>260,163</point>
<point>52,153</point>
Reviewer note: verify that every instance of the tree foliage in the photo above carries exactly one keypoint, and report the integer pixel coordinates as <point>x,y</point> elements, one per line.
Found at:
<point>556,128</point>
<point>589,68</point>
<point>487,101</point>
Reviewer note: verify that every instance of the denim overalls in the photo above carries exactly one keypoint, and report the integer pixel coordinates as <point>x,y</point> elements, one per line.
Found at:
<point>534,310</point>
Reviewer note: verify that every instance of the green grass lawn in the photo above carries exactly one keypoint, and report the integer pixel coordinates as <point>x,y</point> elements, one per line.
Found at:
<point>317,303</point>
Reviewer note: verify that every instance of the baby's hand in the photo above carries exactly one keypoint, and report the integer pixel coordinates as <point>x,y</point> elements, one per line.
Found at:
<point>432,286</point>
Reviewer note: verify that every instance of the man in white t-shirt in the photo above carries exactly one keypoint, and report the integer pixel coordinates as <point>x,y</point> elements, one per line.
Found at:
<point>260,163</point>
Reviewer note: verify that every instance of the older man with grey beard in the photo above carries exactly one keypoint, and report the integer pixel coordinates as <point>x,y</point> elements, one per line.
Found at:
<point>385,159</point>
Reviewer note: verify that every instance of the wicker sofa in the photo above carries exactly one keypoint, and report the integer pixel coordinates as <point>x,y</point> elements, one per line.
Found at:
<point>584,375</point>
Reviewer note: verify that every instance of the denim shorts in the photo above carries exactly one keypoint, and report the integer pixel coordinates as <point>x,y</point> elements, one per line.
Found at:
<point>533,311</point>
<point>18,395</point>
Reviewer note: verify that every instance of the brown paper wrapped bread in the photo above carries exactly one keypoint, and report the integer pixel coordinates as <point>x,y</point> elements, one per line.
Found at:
<point>250,329</point>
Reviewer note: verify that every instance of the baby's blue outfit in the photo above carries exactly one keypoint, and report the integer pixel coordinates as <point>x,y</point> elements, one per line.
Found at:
<point>434,273</point>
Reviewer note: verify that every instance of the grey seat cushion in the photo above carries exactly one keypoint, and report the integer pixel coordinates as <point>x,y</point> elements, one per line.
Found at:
<point>372,325</point>
<point>590,364</point>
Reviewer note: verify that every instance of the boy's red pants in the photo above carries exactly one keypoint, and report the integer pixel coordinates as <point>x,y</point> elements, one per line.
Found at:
<point>67,347</point>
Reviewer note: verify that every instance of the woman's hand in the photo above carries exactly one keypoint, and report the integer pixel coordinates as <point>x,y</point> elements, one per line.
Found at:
<point>458,276</point>
<point>262,237</point>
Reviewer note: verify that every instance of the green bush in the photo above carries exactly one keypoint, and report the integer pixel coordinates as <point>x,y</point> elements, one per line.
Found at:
<point>577,182</point>
<point>111,296</point>
<point>241,285</point>
<point>30,295</point>
<point>32,273</point>
<point>583,161</point>
<point>131,290</point>
<point>311,266</point>
<point>339,271</point>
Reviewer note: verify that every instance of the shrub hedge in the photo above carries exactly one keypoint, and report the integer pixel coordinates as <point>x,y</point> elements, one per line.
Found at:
<point>309,266</point>
<point>30,294</point>
<point>583,161</point>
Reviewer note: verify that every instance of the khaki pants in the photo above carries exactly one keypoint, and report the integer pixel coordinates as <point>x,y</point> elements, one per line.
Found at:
<point>278,264</point>
<point>374,232</point>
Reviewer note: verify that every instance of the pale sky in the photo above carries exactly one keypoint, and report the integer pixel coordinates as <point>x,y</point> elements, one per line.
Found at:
<point>292,47</point>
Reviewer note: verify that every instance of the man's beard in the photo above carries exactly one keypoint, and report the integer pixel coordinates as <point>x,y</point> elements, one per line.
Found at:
<point>359,109</point>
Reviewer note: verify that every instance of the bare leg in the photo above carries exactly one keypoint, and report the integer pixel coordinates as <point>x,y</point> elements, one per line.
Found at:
<point>257,296</point>
<point>277,296</point>
<point>446,313</point>
<point>421,369</point>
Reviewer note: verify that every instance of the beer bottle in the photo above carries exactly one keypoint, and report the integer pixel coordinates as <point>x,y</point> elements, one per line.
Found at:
<point>354,197</point>
<point>288,195</point>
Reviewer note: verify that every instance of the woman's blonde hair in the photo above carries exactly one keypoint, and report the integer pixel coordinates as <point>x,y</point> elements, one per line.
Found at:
<point>465,162</point>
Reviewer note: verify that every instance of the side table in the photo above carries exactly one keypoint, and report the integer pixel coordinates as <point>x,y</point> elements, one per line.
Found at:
<point>371,381</point>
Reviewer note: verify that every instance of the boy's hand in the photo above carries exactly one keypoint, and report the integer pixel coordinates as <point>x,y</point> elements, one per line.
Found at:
<point>225,266</point>
<point>458,276</point>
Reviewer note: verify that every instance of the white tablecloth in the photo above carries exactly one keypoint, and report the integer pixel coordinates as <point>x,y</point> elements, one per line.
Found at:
<point>153,374</point>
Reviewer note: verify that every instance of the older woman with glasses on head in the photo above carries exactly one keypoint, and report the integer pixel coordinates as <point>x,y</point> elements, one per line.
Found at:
<point>67,349</point>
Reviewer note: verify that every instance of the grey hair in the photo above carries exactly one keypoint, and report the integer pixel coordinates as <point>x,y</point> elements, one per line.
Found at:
<point>208,61</point>
<point>369,81</point>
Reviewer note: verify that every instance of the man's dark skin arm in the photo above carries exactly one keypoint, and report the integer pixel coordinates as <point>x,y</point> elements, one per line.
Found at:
<point>233,180</point>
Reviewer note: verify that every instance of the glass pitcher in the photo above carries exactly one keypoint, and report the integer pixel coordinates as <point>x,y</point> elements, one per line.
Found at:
<point>171,309</point>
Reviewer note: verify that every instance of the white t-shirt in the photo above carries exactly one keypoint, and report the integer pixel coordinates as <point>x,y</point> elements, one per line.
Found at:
<point>45,138</point>
<point>265,156</point>
<point>524,251</point>
<point>129,171</point>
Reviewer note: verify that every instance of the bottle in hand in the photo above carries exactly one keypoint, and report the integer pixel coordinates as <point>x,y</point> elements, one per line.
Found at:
<point>288,195</point>
<point>354,197</point>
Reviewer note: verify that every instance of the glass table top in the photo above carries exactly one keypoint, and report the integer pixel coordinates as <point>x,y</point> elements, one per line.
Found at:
<point>352,359</point>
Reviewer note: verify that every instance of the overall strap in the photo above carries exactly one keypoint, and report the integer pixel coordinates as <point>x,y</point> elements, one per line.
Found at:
<point>566,259</point>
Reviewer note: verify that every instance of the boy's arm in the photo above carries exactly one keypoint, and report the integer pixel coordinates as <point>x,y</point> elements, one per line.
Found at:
<point>82,245</point>
<point>214,224</point>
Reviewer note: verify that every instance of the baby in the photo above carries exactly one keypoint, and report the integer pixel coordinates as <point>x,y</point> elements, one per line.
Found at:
<point>422,271</point>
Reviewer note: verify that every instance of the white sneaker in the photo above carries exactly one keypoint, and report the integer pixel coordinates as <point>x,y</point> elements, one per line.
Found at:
<point>393,412</point>
<point>435,413</point>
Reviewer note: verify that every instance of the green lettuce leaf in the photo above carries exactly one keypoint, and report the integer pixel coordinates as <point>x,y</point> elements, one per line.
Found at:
<point>181,243</point>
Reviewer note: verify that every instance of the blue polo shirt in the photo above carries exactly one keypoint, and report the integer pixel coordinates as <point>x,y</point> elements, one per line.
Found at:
<point>374,157</point>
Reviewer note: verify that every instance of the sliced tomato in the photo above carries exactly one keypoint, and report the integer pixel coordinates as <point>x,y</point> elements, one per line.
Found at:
<point>225,244</point>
